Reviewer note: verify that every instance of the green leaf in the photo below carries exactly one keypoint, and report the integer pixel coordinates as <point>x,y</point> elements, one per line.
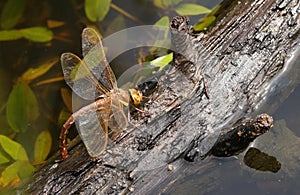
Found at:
<point>171,2</point>
<point>66,96</point>
<point>8,35</point>
<point>22,108</point>
<point>13,149</point>
<point>204,23</point>
<point>42,146</point>
<point>96,10</point>
<point>11,13</point>
<point>165,3</point>
<point>63,116</point>
<point>164,21</point>
<point>214,10</point>
<point>158,3</point>
<point>54,23</point>
<point>15,172</point>
<point>207,20</point>
<point>37,34</point>
<point>10,175</point>
<point>117,24</point>
<point>33,73</point>
<point>4,127</point>
<point>162,61</point>
<point>26,169</point>
<point>162,37</point>
<point>191,9</point>
<point>3,158</point>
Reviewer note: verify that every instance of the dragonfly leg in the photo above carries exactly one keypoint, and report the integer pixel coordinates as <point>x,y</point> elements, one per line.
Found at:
<point>139,110</point>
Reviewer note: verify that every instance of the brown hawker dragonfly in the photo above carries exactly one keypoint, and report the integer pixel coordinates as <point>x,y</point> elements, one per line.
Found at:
<point>92,79</point>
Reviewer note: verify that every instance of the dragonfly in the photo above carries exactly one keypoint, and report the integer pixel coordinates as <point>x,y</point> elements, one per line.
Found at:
<point>92,78</point>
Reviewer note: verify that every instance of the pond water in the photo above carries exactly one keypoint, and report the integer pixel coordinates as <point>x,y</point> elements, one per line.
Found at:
<point>218,176</point>
<point>232,176</point>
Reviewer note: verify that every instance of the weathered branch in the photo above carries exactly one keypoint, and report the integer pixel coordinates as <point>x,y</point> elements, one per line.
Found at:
<point>246,49</point>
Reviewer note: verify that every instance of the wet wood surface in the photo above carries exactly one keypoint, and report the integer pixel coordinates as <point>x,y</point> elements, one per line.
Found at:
<point>239,58</point>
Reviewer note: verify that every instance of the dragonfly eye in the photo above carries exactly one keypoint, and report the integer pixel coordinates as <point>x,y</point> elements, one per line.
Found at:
<point>136,96</point>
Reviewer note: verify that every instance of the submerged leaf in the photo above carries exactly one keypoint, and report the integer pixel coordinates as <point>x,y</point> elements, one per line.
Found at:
<point>165,3</point>
<point>191,9</point>
<point>164,21</point>
<point>96,10</point>
<point>4,127</point>
<point>42,146</point>
<point>162,61</point>
<point>159,3</point>
<point>33,73</point>
<point>22,108</point>
<point>11,13</point>
<point>204,23</point>
<point>10,175</point>
<point>67,98</point>
<point>26,169</point>
<point>207,20</point>
<point>63,117</point>
<point>13,149</point>
<point>54,23</point>
<point>13,174</point>
<point>9,35</point>
<point>3,158</point>
<point>117,24</point>
<point>37,34</point>
<point>161,40</point>
<point>171,2</point>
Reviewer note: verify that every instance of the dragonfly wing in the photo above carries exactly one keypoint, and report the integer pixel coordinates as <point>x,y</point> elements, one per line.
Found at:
<point>79,77</point>
<point>93,129</point>
<point>118,118</point>
<point>94,58</point>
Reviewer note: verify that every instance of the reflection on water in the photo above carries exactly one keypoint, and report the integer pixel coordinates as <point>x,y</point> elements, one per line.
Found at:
<point>290,111</point>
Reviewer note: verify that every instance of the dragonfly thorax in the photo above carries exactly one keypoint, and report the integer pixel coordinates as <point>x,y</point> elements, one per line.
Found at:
<point>121,95</point>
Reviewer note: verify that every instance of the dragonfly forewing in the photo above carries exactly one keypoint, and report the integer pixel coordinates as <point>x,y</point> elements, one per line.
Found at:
<point>94,57</point>
<point>78,76</point>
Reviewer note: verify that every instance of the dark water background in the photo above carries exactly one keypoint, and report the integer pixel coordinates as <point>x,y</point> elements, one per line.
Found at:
<point>218,176</point>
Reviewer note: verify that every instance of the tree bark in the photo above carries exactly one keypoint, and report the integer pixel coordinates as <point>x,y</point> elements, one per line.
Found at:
<point>244,53</point>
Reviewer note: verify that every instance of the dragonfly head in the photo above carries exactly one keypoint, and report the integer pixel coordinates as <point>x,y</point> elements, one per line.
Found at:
<point>136,96</point>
